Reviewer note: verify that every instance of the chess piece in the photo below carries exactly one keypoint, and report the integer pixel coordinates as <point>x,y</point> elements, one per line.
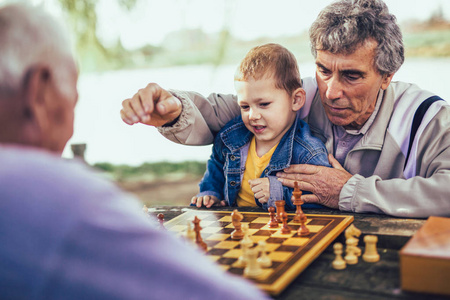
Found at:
<point>350,257</point>
<point>371,254</point>
<point>264,260</point>
<point>280,208</point>
<point>285,227</point>
<point>352,233</point>
<point>246,238</point>
<point>236,218</point>
<point>198,238</point>
<point>145,209</point>
<point>253,269</point>
<point>273,223</point>
<point>338,263</point>
<point>190,234</point>
<point>297,193</point>
<point>161,221</point>
<point>303,230</point>
<point>242,260</point>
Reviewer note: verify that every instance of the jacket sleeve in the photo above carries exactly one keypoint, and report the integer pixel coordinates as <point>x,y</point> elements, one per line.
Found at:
<point>213,182</point>
<point>421,196</point>
<point>201,118</point>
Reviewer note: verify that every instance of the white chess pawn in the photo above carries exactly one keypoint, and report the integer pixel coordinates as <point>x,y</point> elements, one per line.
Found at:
<point>264,260</point>
<point>246,239</point>
<point>371,254</point>
<point>253,269</point>
<point>242,260</point>
<point>350,258</point>
<point>190,234</point>
<point>338,263</point>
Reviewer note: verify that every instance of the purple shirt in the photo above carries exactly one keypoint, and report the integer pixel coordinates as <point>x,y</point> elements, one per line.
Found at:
<point>66,233</point>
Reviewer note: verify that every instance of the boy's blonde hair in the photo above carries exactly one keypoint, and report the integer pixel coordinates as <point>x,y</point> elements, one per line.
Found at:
<point>271,60</point>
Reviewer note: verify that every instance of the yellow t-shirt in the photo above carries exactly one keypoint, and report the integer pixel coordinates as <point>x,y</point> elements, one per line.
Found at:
<point>254,166</point>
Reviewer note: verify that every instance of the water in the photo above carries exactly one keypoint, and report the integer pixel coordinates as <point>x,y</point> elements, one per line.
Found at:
<point>108,139</point>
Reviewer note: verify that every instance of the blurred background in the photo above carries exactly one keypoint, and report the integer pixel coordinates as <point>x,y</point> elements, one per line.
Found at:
<point>122,45</point>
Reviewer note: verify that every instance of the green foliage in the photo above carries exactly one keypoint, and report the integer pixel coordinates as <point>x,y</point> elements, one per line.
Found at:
<point>150,170</point>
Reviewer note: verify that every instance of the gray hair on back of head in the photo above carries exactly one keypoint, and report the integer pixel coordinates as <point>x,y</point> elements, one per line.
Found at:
<point>344,25</point>
<point>29,36</point>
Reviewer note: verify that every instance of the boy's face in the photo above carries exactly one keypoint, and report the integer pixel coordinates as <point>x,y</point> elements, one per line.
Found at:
<point>268,112</point>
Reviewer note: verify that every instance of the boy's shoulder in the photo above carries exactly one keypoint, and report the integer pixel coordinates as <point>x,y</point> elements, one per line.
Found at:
<point>304,137</point>
<point>234,134</point>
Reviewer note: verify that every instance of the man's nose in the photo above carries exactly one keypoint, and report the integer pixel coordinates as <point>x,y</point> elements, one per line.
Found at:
<point>334,89</point>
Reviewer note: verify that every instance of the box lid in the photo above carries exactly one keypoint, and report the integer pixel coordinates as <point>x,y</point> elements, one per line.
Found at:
<point>431,240</point>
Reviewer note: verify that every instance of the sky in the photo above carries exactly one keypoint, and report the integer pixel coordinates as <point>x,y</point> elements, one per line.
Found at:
<point>151,20</point>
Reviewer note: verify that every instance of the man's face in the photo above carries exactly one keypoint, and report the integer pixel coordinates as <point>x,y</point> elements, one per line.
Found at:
<point>349,85</point>
<point>267,111</point>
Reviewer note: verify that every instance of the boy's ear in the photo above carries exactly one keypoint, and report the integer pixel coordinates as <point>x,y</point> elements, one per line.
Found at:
<point>298,99</point>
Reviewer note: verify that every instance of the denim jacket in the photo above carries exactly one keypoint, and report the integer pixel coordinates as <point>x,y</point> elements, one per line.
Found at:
<point>225,168</point>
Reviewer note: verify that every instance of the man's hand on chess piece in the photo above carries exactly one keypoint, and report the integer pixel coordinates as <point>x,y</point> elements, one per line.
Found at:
<point>261,188</point>
<point>207,201</point>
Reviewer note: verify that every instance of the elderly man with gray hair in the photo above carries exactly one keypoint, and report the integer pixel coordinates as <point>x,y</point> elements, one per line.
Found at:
<point>65,232</point>
<point>389,142</point>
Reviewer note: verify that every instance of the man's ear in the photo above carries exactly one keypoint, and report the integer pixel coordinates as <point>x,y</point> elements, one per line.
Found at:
<point>35,89</point>
<point>386,80</point>
<point>298,99</point>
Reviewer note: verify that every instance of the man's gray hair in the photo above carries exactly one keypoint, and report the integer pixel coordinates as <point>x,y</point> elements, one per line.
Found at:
<point>28,36</point>
<point>344,25</point>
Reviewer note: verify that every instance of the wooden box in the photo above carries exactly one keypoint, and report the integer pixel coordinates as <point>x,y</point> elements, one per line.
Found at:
<point>425,259</point>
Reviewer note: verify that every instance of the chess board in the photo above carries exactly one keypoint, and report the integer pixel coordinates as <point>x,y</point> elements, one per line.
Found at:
<point>290,253</point>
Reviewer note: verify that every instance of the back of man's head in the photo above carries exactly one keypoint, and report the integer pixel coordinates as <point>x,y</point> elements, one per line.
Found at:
<point>35,54</point>
<point>345,25</point>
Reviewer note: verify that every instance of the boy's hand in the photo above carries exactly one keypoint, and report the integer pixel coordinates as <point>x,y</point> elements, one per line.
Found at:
<point>261,188</point>
<point>207,201</point>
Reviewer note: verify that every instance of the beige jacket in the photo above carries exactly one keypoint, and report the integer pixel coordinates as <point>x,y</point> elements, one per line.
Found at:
<point>380,182</point>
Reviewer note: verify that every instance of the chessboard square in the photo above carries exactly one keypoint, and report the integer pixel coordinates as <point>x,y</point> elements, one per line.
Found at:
<point>322,222</point>
<point>224,267</point>
<point>255,225</point>
<point>234,253</point>
<point>217,252</point>
<point>288,248</point>
<point>227,244</point>
<point>214,258</point>
<point>296,241</point>
<point>249,218</point>
<point>263,220</point>
<point>257,238</point>
<point>263,233</point>
<point>280,256</point>
<point>270,247</point>
<point>218,237</point>
<point>225,219</point>
<point>178,228</point>
<point>211,229</point>
<point>278,234</point>
<point>211,244</point>
<point>226,261</point>
<point>226,231</point>
<point>265,274</point>
<point>314,228</point>
<point>206,224</point>
<point>275,240</point>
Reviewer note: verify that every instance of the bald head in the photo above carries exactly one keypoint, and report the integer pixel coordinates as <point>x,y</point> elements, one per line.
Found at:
<point>37,74</point>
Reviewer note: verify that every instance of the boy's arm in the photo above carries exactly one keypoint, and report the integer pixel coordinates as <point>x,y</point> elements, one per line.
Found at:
<point>201,117</point>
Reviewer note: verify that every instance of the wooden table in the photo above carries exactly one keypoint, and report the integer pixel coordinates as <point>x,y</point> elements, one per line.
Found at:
<point>364,280</point>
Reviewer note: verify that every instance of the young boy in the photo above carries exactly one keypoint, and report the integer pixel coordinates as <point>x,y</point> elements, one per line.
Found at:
<point>265,139</point>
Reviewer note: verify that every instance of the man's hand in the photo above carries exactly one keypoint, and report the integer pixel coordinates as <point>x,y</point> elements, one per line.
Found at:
<point>324,183</point>
<point>207,201</point>
<point>151,105</point>
<point>261,188</point>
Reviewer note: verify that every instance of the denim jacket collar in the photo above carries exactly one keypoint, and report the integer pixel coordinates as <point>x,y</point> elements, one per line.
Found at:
<point>237,136</point>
